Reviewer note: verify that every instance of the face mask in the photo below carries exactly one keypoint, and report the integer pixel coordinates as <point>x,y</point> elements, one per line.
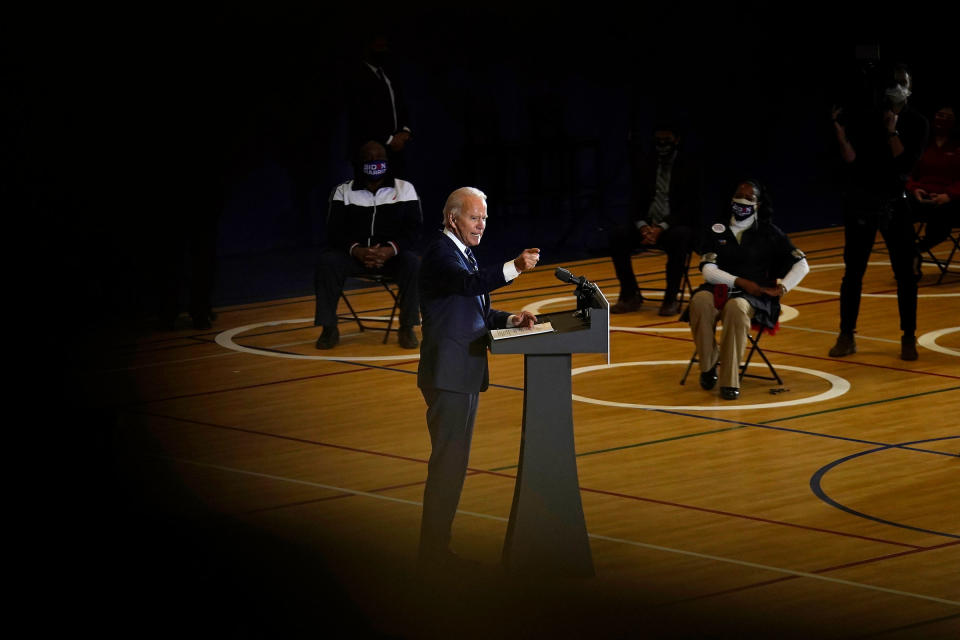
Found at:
<point>665,148</point>
<point>375,169</point>
<point>742,209</point>
<point>898,94</point>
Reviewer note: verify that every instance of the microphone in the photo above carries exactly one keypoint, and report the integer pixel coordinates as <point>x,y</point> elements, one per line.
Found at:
<point>585,292</point>
<point>565,276</point>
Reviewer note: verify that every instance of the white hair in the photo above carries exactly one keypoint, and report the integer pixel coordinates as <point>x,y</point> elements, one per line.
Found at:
<point>456,200</point>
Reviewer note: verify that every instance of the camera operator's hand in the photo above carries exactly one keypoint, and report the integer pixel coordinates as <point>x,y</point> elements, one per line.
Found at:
<point>835,113</point>
<point>893,137</point>
<point>847,152</point>
<point>890,120</point>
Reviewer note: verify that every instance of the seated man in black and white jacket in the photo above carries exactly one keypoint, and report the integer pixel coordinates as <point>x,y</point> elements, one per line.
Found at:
<point>373,225</point>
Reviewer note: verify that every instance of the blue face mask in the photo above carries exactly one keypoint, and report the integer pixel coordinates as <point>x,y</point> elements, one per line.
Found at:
<point>375,168</point>
<point>742,209</point>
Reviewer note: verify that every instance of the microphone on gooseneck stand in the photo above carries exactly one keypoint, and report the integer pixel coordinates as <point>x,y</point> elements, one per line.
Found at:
<point>585,290</point>
<point>565,276</point>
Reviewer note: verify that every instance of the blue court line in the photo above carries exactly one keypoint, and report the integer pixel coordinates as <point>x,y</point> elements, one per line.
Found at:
<point>639,444</point>
<point>865,404</point>
<point>767,425</point>
<point>815,486</point>
<point>737,423</point>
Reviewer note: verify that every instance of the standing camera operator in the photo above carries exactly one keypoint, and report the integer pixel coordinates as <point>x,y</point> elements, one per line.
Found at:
<point>879,146</point>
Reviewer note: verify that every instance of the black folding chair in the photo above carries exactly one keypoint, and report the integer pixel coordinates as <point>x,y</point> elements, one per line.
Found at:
<point>385,282</point>
<point>754,349</point>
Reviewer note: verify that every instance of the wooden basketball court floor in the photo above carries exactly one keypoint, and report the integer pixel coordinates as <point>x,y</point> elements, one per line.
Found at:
<point>262,487</point>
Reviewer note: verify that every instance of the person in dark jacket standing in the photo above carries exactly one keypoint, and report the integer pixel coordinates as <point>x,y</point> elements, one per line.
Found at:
<point>373,226</point>
<point>879,146</point>
<point>455,302</point>
<point>376,107</point>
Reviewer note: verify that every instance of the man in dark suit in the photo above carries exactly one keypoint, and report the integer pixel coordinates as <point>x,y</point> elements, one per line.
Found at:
<point>375,104</point>
<point>666,210</point>
<point>455,306</point>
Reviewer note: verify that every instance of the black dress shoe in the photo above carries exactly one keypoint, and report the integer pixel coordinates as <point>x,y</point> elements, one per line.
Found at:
<point>708,379</point>
<point>845,346</point>
<point>908,348</point>
<point>627,305</point>
<point>407,338</point>
<point>671,308</point>
<point>329,338</point>
<point>729,393</point>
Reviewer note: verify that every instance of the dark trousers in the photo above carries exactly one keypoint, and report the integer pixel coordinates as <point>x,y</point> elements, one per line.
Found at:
<point>335,266</point>
<point>450,418</point>
<point>675,241</point>
<point>862,219</point>
<point>939,219</point>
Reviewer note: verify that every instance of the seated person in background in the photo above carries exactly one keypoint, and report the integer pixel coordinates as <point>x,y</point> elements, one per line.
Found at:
<point>748,264</point>
<point>372,226</point>
<point>666,206</point>
<point>935,181</point>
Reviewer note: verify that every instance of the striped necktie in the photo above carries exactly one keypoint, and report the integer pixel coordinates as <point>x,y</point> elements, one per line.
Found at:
<point>475,268</point>
<point>470,258</point>
<point>660,207</point>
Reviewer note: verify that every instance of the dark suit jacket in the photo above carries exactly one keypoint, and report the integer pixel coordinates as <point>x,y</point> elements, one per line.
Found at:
<point>685,188</point>
<point>370,108</point>
<point>453,354</point>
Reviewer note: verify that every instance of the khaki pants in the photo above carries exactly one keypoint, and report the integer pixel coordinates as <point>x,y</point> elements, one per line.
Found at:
<point>735,315</point>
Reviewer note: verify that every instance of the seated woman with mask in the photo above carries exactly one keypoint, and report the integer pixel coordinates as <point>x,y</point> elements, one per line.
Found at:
<point>748,264</point>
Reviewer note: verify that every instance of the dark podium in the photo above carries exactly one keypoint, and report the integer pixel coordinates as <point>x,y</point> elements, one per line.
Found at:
<point>547,534</point>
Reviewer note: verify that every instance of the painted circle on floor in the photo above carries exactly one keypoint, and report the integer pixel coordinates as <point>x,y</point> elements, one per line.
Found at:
<point>834,265</point>
<point>929,340</point>
<point>225,340</point>
<point>838,387</point>
<point>787,313</point>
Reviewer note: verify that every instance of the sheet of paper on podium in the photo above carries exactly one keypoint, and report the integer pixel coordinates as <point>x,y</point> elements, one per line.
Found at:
<point>516,332</point>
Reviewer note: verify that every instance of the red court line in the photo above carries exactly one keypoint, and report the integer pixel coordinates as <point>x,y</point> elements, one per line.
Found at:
<point>346,495</point>
<point>224,427</point>
<point>338,496</point>
<point>765,583</point>
<point>625,496</point>
<point>359,367</point>
<point>746,517</point>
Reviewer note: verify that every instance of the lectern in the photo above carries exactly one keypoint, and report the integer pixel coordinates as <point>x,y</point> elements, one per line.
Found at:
<point>547,534</point>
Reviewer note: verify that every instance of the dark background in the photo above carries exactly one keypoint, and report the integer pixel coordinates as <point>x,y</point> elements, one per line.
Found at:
<point>128,127</point>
